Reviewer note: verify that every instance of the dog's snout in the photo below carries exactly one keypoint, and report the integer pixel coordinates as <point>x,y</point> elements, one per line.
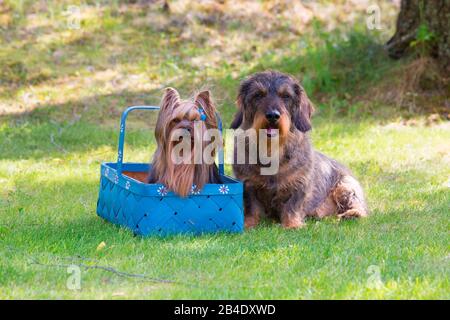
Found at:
<point>273,116</point>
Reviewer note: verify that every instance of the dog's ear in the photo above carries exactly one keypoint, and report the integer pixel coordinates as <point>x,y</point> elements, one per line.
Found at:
<point>204,100</point>
<point>170,100</point>
<point>239,116</point>
<point>304,110</point>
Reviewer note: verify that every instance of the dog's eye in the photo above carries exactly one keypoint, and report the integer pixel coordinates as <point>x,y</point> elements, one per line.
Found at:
<point>285,96</point>
<point>259,95</point>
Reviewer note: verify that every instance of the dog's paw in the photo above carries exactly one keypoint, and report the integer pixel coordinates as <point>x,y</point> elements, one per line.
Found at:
<point>250,222</point>
<point>296,223</point>
<point>352,214</point>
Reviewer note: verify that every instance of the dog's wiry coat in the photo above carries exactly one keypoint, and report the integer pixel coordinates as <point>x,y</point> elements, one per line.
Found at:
<point>308,183</point>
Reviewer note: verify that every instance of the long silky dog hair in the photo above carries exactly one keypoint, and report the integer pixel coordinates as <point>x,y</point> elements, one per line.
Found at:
<point>176,119</point>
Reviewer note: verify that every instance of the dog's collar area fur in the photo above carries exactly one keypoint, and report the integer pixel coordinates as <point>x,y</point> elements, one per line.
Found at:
<point>202,113</point>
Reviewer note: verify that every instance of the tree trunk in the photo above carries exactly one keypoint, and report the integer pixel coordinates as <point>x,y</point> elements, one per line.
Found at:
<point>435,15</point>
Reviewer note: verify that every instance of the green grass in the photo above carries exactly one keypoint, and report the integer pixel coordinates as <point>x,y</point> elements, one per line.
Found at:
<point>48,214</point>
<point>60,121</point>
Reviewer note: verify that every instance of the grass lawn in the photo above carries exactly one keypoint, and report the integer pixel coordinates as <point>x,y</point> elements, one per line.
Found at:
<point>61,94</point>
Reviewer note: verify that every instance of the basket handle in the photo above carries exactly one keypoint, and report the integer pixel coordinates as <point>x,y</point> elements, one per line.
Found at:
<point>122,137</point>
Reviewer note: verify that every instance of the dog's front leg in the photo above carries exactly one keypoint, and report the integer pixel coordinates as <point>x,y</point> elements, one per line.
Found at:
<point>292,214</point>
<point>253,209</point>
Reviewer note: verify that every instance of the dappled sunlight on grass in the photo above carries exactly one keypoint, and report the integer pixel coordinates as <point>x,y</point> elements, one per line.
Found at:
<point>138,48</point>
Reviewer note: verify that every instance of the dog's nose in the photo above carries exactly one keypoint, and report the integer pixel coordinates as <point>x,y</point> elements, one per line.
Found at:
<point>273,116</point>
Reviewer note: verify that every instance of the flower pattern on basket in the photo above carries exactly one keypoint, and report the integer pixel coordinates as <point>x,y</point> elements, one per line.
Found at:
<point>127,185</point>
<point>116,178</point>
<point>162,190</point>
<point>195,190</point>
<point>106,172</point>
<point>223,189</point>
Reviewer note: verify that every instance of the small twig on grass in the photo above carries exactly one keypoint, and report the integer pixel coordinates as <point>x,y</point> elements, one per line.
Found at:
<point>35,261</point>
<point>52,140</point>
<point>104,268</point>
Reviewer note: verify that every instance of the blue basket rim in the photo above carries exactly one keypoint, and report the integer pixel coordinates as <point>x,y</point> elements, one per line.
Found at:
<point>230,186</point>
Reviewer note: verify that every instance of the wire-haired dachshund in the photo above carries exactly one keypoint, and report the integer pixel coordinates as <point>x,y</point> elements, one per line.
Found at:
<point>308,183</point>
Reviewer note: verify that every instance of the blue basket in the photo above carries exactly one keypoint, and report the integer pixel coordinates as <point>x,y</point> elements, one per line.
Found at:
<point>150,209</point>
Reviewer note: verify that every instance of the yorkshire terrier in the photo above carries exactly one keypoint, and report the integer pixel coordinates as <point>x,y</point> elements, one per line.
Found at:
<point>180,122</point>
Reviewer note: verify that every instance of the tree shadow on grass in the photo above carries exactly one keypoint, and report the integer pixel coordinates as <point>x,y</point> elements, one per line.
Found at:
<point>88,124</point>
<point>76,126</point>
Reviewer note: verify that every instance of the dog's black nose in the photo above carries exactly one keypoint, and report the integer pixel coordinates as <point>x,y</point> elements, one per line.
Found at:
<point>273,116</point>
